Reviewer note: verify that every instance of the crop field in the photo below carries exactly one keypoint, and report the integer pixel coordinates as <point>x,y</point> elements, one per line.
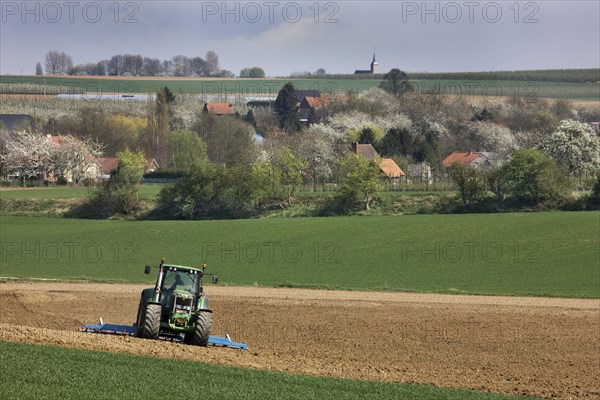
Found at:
<point>478,343</point>
<point>469,89</point>
<point>539,254</point>
<point>380,340</point>
<point>75,374</point>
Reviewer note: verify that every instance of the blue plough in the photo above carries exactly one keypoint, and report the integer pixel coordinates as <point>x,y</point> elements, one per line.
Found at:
<point>129,330</point>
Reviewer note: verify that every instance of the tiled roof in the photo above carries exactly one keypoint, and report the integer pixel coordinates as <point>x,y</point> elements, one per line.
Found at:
<point>463,158</point>
<point>219,108</point>
<point>55,139</point>
<point>365,150</point>
<point>390,168</point>
<point>302,93</point>
<point>316,101</point>
<point>108,164</point>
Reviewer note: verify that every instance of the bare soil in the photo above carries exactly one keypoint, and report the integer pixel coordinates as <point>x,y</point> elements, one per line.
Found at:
<point>534,346</point>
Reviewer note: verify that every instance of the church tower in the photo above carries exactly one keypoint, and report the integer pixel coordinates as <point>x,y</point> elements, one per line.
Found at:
<point>374,66</point>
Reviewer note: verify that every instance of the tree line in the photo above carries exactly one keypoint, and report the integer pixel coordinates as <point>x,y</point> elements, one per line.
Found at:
<point>60,63</point>
<point>589,75</point>
<point>584,75</point>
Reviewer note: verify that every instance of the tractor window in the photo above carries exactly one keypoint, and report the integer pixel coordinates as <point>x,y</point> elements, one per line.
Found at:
<point>181,280</point>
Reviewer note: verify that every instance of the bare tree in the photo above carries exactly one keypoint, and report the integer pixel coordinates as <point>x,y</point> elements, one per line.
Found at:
<point>166,67</point>
<point>181,65</point>
<point>151,66</point>
<point>212,61</point>
<point>58,62</point>
<point>38,69</point>
<point>116,65</point>
<point>101,68</point>
<point>132,64</point>
<point>199,66</point>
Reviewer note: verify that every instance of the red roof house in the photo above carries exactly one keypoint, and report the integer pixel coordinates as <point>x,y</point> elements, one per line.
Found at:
<point>387,166</point>
<point>219,108</point>
<point>472,158</point>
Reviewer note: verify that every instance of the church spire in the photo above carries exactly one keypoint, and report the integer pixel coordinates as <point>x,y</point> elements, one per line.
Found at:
<point>374,65</point>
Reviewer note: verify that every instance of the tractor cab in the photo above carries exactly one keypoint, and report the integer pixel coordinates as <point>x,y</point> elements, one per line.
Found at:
<point>187,280</point>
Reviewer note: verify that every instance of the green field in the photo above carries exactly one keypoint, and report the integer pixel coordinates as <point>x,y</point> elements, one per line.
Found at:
<point>147,192</point>
<point>150,191</point>
<point>270,87</point>
<point>539,254</point>
<point>47,372</point>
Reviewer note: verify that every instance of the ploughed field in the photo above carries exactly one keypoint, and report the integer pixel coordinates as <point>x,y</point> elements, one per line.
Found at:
<point>535,346</point>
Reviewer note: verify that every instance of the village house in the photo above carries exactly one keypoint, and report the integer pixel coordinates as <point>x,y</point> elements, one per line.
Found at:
<point>387,166</point>
<point>108,165</point>
<point>477,159</point>
<point>219,109</point>
<point>311,108</point>
<point>419,172</point>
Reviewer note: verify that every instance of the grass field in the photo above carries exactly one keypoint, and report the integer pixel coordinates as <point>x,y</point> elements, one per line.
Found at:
<point>469,89</point>
<point>147,192</point>
<point>150,192</point>
<point>36,372</point>
<point>540,254</point>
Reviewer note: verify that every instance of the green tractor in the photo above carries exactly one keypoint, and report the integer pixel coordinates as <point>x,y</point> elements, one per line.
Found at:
<point>175,306</point>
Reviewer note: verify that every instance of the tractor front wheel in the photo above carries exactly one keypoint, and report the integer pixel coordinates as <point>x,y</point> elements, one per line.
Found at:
<point>150,324</point>
<point>199,337</point>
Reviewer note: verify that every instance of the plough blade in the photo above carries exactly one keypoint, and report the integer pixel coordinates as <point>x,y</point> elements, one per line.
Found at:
<point>129,330</point>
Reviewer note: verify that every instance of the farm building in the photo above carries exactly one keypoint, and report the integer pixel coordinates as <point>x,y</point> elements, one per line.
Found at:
<point>420,172</point>
<point>481,159</point>
<point>107,165</point>
<point>312,107</point>
<point>388,167</point>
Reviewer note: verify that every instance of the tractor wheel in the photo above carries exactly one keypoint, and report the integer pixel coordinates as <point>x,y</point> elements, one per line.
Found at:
<point>150,326</point>
<point>141,315</point>
<point>200,335</point>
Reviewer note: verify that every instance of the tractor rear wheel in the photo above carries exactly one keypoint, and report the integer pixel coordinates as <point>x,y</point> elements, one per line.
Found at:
<point>150,326</point>
<point>141,314</point>
<point>199,337</point>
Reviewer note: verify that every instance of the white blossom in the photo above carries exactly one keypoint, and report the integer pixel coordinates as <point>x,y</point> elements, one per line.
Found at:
<point>575,146</point>
<point>31,154</point>
<point>493,137</point>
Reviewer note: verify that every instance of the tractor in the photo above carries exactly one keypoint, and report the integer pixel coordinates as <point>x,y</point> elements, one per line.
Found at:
<point>176,305</point>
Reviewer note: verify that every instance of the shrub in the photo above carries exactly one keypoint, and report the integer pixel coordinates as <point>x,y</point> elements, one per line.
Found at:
<point>360,181</point>
<point>469,181</point>
<point>535,178</point>
<point>119,194</point>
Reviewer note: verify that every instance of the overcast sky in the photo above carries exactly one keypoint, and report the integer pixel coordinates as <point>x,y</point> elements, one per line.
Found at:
<point>287,36</point>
